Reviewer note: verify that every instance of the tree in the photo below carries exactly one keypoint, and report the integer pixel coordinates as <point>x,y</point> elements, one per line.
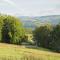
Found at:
<point>42,35</point>
<point>1,25</point>
<point>55,39</point>
<point>12,30</point>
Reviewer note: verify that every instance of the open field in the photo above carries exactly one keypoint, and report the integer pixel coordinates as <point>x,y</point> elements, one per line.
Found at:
<point>14,52</point>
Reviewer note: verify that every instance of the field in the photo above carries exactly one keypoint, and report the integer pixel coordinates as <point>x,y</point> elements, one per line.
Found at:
<point>16,52</point>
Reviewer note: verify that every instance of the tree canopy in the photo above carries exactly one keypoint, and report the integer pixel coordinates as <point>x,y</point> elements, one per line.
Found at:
<point>11,29</point>
<point>48,37</point>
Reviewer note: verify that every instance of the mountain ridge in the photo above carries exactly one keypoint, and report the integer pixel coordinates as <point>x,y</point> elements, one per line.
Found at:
<point>32,22</point>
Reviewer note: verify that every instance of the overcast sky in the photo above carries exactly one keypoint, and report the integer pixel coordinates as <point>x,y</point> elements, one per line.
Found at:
<point>30,7</point>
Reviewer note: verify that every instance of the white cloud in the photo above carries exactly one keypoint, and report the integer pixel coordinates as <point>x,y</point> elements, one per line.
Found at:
<point>30,7</point>
<point>10,2</point>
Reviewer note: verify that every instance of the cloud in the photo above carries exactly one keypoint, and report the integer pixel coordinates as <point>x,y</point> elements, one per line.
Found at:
<point>10,2</point>
<point>29,7</point>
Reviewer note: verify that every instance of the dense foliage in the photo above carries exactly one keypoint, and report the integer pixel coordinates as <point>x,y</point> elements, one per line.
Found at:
<point>48,36</point>
<point>55,38</point>
<point>11,30</point>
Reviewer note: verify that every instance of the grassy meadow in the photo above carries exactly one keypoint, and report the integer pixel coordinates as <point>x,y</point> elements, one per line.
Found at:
<point>16,52</point>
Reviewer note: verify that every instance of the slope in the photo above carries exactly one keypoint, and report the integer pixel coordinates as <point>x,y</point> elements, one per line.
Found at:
<point>16,52</point>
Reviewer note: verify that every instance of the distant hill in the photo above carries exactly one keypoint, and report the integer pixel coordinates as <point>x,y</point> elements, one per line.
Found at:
<point>32,22</point>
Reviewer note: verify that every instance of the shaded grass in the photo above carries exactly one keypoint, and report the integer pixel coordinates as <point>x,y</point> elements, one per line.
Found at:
<point>14,52</point>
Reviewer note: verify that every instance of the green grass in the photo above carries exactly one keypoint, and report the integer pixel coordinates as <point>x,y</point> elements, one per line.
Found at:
<point>15,52</point>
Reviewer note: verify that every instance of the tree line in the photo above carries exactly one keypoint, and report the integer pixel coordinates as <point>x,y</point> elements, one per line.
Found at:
<point>48,36</point>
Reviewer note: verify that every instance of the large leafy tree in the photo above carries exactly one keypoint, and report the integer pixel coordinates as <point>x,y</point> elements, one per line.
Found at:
<point>42,35</point>
<point>12,30</point>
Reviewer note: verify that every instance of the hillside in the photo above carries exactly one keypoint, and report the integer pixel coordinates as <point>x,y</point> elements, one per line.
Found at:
<point>32,22</point>
<point>14,52</point>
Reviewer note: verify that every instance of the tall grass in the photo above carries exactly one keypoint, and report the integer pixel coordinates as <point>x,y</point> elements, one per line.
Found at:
<point>14,52</point>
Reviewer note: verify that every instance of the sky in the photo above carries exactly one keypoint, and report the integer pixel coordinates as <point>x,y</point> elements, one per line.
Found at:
<point>30,7</point>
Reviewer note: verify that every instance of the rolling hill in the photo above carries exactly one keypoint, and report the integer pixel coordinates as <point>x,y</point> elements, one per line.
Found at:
<point>32,22</point>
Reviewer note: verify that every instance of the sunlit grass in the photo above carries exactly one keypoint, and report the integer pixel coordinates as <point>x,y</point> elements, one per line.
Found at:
<point>14,52</point>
